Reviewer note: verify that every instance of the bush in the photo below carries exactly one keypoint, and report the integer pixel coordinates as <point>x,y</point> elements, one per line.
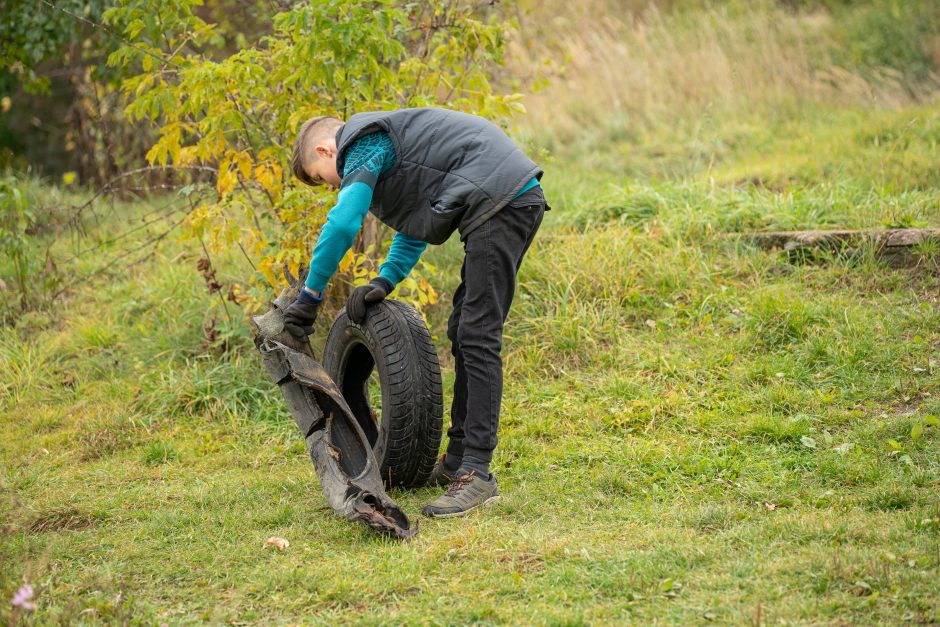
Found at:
<point>238,116</point>
<point>892,34</point>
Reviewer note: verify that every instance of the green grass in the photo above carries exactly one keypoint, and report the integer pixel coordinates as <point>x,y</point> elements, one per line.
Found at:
<point>692,429</point>
<point>817,166</point>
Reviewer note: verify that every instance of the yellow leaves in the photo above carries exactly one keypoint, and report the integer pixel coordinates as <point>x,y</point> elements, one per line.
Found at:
<point>356,266</point>
<point>297,117</point>
<point>418,291</point>
<point>257,241</point>
<point>271,267</point>
<point>157,153</point>
<point>187,155</point>
<point>211,224</point>
<point>425,289</point>
<point>168,146</point>
<point>243,161</point>
<point>211,146</point>
<point>293,267</point>
<point>347,261</point>
<point>239,163</point>
<point>266,268</point>
<point>196,221</point>
<point>227,178</point>
<point>269,176</point>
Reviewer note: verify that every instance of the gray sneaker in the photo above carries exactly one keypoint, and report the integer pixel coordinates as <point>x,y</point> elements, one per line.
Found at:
<point>440,475</point>
<point>466,493</point>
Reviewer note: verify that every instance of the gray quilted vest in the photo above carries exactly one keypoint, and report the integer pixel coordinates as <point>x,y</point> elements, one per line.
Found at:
<point>453,170</point>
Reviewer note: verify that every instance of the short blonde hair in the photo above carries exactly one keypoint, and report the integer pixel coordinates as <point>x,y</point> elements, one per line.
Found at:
<point>314,129</point>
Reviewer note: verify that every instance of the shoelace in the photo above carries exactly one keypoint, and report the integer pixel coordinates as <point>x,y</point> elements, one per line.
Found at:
<point>459,483</point>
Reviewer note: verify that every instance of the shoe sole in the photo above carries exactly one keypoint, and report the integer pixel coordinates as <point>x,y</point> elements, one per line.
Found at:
<point>492,499</point>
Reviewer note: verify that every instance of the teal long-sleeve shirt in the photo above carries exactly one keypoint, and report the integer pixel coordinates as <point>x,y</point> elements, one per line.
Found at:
<point>366,159</point>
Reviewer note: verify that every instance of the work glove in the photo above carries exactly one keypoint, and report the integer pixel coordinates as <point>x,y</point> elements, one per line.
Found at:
<point>365,295</point>
<point>302,313</point>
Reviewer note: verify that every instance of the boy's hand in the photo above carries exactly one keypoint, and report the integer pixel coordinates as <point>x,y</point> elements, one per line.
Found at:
<point>364,295</point>
<point>302,313</point>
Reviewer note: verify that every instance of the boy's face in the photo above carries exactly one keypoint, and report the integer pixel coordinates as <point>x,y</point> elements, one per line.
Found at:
<point>323,168</point>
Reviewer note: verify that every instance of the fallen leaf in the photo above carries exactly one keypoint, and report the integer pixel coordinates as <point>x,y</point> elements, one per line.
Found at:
<point>278,543</point>
<point>862,588</point>
<point>842,449</point>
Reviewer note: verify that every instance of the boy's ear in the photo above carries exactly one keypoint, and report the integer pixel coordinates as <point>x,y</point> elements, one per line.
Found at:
<point>323,150</point>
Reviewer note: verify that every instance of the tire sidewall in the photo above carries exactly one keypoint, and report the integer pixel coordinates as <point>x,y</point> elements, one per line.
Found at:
<point>409,430</point>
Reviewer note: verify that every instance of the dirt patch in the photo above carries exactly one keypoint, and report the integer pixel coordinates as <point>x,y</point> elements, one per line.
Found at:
<point>108,440</point>
<point>70,519</point>
<point>523,562</point>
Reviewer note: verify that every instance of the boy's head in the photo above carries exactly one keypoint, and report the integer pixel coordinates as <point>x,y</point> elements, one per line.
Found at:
<point>314,158</point>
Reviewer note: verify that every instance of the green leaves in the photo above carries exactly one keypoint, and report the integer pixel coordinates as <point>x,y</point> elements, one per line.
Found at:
<point>15,219</point>
<point>917,430</point>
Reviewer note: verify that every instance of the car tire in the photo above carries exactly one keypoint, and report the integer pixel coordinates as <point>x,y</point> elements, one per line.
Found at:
<point>393,343</point>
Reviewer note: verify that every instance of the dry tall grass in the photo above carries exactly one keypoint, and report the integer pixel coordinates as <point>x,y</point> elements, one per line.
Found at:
<point>652,63</point>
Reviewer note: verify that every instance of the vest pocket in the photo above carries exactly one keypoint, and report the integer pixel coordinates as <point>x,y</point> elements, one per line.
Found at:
<point>440,219</point>
<point>446,209</point>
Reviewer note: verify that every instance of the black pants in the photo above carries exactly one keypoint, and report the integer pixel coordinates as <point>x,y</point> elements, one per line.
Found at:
<point>493,253</point>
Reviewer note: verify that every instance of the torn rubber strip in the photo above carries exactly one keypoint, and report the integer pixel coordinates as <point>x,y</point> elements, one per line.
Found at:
<point>341,454</point>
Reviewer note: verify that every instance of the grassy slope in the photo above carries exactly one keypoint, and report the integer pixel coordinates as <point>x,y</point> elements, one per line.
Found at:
<point>692,429</point>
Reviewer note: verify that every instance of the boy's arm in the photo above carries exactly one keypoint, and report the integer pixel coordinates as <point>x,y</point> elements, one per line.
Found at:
<point>366,159</point>
<point>342,223</point>
<point>402,257</point>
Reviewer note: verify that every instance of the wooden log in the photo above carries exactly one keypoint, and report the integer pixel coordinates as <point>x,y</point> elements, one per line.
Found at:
<point>899,247</point>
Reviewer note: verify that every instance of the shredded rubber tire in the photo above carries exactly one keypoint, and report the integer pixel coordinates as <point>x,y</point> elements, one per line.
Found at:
<point>341,453</point>
<point>393,340</point>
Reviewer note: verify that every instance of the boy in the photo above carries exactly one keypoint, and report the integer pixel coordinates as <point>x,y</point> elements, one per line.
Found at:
<point>426,173</point>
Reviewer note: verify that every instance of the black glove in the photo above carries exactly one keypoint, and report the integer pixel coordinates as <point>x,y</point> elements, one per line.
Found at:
<point>302,313</point>
<point>364,295</point>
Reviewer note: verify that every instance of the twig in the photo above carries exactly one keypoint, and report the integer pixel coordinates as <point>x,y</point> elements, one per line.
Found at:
<point>247,258</point>
<point>107,266</point>
<point>108,186</point>
<point>129,232</point>
<point>219,291</point>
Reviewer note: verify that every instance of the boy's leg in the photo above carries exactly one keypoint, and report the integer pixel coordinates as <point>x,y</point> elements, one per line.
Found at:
<point>493,255</point>
<point>458,408</point>
<point>494,252</point>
